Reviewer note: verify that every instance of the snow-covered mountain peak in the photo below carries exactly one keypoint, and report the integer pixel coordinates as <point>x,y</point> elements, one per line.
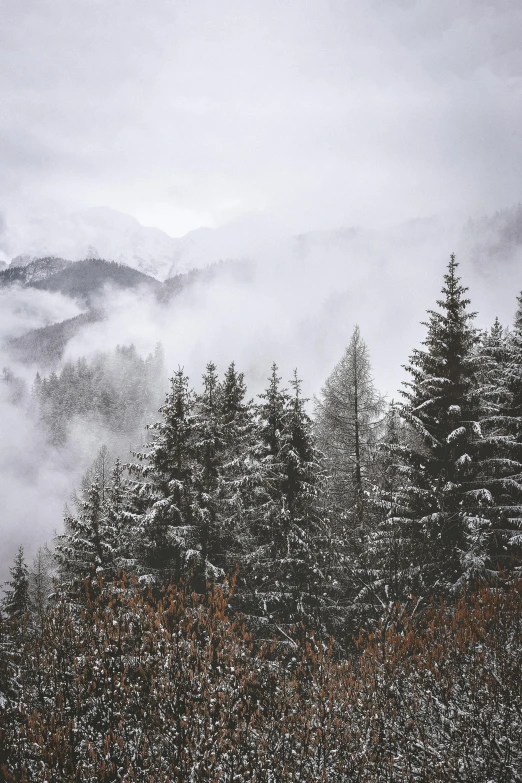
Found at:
<point>98,232</point>
<point>103,232</point>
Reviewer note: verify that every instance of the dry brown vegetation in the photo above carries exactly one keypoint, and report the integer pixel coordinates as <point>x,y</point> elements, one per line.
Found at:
<point>128,686</point>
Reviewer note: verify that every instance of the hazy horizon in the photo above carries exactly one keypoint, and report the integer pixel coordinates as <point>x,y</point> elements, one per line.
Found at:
<point>318,113</point>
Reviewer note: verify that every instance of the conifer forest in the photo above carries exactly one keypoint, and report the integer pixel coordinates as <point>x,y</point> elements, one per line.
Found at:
<point>276,588</point>
<point>260,391</point>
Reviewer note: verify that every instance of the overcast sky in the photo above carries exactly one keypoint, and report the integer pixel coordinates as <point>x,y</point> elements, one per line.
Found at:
<point>195,112</point>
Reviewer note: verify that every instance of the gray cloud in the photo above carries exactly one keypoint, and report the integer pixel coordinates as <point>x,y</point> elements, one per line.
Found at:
<point>322,112</point>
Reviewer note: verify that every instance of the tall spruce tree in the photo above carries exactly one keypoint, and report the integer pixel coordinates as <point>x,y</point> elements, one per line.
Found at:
<point>509,540</point>
<point>96,537</point>
<point>15,603</point>
<point>238,471</point>
<point>117,522</point>
<point>209,441</point>
<point>190,491</point>
<point>444,501</point>
<point>285,570</point>
<point>392,572</point>
<point>80,550</point>
<point>515,386</point>
<point>14,627</point>
<point>164,504</point>
<point>500,450</point>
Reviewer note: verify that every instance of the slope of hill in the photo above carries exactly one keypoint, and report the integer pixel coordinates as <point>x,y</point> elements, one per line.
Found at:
<point>84,279</point>
<point>81,280</point>
<point>173,286</point>
<point>35,271</point>
<point>99,232</point>
<point>92,233</point>
<point>45,346</point>
<point>102,232</point>
<point>495,240</point>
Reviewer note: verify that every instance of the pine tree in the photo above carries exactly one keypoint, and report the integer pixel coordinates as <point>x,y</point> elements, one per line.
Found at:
<point>209,443</point>
<point>445,503</point>
<point>286,568</point>
<point>40,584</point>
<point>164,499</point>
<point>118,521</point>
<point>394,557</point>
<point>509,549</point>
<point>80,550</point>
<point>95,535</point>
<point>500,450</point>
<point>237,468</point>
<point>15,603</point>
<point>192,487</point>
<point>14,627</point>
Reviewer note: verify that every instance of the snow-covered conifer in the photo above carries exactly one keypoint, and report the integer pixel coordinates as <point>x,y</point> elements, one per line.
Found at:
<point>14,627</point>
<point>447,506</point>
<point>237,468</point>
<point>286,568</point>
<point>96,536</point>
<point>164,503</point>
<point>15,603</point>
<point>500,450</point>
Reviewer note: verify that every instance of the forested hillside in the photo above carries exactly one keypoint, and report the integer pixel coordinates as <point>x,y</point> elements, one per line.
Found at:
<point>280,589</point>
<point>46,345</point>
<point>86,281</point>
<point>82,280</point>
<point>33,272</point>
<point>118,391</point>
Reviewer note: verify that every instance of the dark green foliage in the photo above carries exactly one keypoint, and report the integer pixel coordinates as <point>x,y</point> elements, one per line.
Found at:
<point>14,623</point>
<point>285,568</point>
<point>164,502</point>
<point>447,506</point>
<point>222,486</point>
<point>15,603</point>
<point>500,449</point>
<point>97,536</point>
<point>238,474</point>
<point>189,492</point>
<point>395,553</point>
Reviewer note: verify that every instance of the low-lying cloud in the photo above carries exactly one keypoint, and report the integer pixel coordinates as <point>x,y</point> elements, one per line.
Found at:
<point>297,305</point>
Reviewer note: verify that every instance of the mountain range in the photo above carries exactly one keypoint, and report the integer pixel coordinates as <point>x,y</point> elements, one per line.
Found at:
<point>84,281</point>
<point>105,233</point>
<point>352,259</point>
